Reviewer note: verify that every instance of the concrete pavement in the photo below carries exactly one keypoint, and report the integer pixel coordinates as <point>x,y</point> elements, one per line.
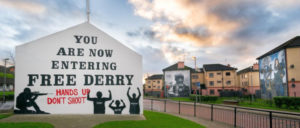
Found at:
<point>7,106</point>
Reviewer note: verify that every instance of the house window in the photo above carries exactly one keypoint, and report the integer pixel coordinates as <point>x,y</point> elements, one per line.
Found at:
<point>154,81</point>
<point>219,81</point>
<point>227,73</point>
<point>149,81</point>
<point>211,92</point>
<point>245,76</point>
<point>149,86</point>
<point>211,75</point>
<point>158,81</point>
<point>158,87</point>
<point>228,82</point>
<point>211,83</point>
<point>219,73</point>
<point>195,76</point>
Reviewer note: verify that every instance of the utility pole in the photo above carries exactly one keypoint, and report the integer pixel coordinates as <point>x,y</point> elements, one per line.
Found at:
<point>4,81</point>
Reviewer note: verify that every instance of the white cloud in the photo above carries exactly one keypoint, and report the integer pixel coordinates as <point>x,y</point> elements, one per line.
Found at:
<point>215,31</point>
<point>24,5</point>
<point>22,21</point>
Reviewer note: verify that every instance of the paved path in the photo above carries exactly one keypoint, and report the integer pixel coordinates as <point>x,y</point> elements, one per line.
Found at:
<point>71,121</point>
<point>7,105</point>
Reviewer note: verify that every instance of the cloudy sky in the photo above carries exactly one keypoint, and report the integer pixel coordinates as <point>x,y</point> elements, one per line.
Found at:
<point>162,31</point>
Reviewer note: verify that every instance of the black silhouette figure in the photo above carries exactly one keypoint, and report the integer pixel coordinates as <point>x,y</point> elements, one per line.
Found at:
<point>134,102</point>
<point>118,109</point>
<point>27,99</point>
<point>99,102</point>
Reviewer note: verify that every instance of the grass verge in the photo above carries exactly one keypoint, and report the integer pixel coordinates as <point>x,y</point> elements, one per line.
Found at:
<point>153,120</point>
<point>5,115</point>
<point>22,124</point>
<point>265,106</point>
<point>26,125</point>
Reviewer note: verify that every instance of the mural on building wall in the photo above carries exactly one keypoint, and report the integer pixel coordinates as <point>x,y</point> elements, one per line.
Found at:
<point>272,70</point>
<point>177,83</point>
<point>82,71</point>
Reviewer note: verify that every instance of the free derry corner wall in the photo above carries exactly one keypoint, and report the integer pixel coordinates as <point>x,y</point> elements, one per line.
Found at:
<point>80,70</point>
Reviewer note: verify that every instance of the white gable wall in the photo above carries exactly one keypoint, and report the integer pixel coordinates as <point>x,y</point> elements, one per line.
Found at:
<point>35,58</point>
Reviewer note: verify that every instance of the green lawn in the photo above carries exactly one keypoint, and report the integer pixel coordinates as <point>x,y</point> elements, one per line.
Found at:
<point>5,115</point>
<point>26,125</point>
<point>153,120</point>
<point>260,104</point>
<point>22,124</point>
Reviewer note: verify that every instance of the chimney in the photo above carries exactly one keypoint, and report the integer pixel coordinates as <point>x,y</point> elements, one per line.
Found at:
<point>255,66</point>
<point>228,65</point>
<point>180,65</point>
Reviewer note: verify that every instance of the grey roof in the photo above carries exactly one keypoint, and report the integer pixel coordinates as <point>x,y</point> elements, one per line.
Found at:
<point>294,42</point>
<point>175,67</point>
<point>195,71</point>
<point>245,70</point>
<point>155,76</point>
<point>217,67</point>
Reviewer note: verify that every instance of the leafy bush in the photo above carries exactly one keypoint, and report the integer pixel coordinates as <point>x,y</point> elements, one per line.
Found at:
<point>204,98</point>
<point>287,102</point>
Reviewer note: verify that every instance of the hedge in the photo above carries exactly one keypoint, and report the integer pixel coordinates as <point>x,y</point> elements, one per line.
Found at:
<point>8,97</point>
<point>8,75</point>
<point>287,102</point>
<point>204,98</point>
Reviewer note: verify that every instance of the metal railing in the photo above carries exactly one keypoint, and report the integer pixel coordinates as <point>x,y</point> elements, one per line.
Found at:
<point>236,116</point>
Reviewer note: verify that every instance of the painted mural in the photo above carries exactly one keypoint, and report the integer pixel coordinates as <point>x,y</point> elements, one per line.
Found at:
<point>272,70</point>
<point>177,83</point>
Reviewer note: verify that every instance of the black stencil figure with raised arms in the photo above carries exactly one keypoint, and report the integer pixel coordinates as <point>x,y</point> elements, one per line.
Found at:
<point>27,99</point>
<point>117,109</point>
<point>99,102</point>
<point>134,102</point>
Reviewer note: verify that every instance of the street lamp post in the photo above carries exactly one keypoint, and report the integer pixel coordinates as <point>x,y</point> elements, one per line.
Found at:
<point>152,89</point>
<point>252,89</point>
<point>4,81</point>
<point>195,60</point>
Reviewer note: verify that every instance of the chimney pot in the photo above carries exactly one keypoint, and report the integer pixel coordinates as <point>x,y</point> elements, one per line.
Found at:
<point>180,65</point>
<point>255,66</point>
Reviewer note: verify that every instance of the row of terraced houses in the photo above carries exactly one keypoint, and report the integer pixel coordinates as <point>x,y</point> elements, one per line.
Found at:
<point>259,78</point>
